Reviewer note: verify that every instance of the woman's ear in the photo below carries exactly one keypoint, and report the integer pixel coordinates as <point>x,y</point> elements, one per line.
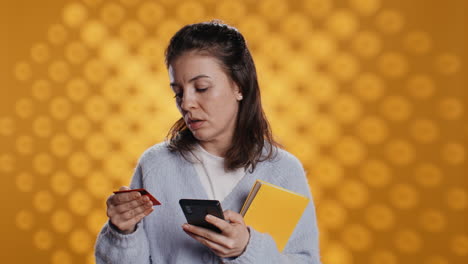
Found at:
<point>238,93</point>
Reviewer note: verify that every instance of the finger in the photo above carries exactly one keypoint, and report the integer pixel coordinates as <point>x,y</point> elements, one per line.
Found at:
<point>210,244</point>
<point>114,208</point>
<point>218,222</point>
<point>204,232</point>
<point>135,212</point>
<point>120,198</point>
<point>130,223</point>
<point>142,201</point>
<point>123,188</point>
<point>222,241</point>
<point>233,217</point>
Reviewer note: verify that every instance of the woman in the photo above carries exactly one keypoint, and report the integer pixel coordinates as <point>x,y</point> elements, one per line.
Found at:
<point>217,150</point>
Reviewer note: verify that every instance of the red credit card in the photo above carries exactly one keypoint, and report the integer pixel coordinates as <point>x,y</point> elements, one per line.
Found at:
<point>143,192</point>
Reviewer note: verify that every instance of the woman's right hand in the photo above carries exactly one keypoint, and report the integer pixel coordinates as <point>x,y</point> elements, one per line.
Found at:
<point>125,210</point>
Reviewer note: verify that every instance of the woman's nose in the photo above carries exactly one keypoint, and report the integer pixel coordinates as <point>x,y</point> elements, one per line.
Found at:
<point>188,101</point>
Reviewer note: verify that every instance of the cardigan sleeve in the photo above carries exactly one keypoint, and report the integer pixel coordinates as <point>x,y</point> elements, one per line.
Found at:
<point>302,246</point>
<point>114,247</point>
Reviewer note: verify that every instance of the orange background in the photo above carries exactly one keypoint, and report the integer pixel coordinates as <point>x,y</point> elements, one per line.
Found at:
<point>369,94</point>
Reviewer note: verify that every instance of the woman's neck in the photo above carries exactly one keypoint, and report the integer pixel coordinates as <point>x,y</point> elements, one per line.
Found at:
<point>214,149</point>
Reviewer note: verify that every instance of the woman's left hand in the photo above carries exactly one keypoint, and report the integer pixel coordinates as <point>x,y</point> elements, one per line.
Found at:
<point>232,240</point>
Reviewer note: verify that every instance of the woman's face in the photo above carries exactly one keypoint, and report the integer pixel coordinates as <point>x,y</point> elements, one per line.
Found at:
<point>206,97</point>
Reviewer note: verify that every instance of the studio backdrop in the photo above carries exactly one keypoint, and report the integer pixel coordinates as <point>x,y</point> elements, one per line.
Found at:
<point>369,94</point>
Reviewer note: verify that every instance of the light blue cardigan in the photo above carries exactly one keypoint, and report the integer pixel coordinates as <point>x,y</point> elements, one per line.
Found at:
<point>159,238</point>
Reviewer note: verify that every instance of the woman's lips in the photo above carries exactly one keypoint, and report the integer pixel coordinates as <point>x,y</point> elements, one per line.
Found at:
<point>195,124</point>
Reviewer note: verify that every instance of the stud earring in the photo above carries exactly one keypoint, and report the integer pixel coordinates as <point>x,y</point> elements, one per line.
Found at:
<point>240,97</point>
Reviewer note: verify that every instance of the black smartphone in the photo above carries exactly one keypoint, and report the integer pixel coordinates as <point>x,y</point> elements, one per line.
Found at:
<point>196,210</point>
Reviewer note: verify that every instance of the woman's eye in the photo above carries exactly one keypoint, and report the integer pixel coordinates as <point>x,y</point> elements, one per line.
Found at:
<point>200,90</point>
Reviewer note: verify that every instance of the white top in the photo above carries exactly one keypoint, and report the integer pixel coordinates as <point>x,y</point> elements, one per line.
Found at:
<point>210,169</point>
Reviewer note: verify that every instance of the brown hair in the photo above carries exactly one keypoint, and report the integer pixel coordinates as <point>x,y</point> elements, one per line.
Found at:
<point>252,140</point>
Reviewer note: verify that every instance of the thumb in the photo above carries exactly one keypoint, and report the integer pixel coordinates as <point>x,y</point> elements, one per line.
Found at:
<point>123,188</point>
<point>233,217</point>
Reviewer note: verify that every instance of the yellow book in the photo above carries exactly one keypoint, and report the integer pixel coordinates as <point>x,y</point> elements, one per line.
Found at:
<point>273,210</point>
